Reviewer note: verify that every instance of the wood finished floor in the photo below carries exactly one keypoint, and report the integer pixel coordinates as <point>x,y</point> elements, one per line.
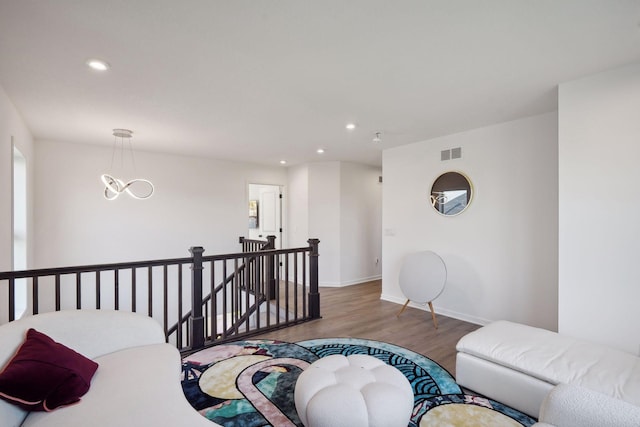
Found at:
<point>358,312</point>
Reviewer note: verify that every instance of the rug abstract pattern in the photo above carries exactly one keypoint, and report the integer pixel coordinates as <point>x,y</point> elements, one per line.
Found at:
<point>251,384</point>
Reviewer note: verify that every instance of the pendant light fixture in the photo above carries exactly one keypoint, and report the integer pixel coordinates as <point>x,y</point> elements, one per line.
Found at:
<point>138,188</point>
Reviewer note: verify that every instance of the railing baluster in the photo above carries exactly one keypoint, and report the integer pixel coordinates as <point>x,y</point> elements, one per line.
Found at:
<point>34,295</point>
<point>133,289</point>
<point>12,299</point>
<point>57,291</point>
<point>206,324</point>
<point>295,284</point>
<point>239,313</point>
<point>235,293</point>
<point>271,275</point>
<point>276,270</point>
<point>260,277</point>
<point>116,288</point>
<point>247,296</point>
<point>251,309</point>
<point>257,291</point>
<point>78,292</point>
<point>165,302</point>
<point>180,343</point>
<point>224,300</point>
<point>304,285</point>
<point>187,334</point>
<point>214,303</point>
<point>98,290</point>
<point>207,309</point>
<point>264,280</point>
<point>286,283</point>
<point>150,291</point>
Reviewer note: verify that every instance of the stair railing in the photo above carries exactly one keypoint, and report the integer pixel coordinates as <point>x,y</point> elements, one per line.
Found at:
<point>254,296</point>
<point>248,245</point>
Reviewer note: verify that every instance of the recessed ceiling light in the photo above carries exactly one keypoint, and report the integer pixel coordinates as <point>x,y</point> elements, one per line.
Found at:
<point>350,126</point>
<point>320,150</point>
<point>283,162</point>
<point>98,65</point>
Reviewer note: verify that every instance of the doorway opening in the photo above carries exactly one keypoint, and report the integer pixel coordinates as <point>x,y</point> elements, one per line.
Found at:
<point>19,220</point>
<point>265,212</point>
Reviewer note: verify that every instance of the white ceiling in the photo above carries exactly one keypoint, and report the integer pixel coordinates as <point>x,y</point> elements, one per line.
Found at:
<point>265,80</point>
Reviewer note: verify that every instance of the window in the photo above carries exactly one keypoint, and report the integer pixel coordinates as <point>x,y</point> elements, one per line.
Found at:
<point>20,227</point>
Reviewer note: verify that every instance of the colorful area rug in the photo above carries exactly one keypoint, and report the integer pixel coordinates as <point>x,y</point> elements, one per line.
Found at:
<point>251,384</point>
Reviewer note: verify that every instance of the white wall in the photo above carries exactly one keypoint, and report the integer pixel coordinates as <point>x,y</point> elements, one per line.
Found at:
<point>599,216</point>
<point>12,125</point>
<point>501,254</point>
<point>198,202</point>
<point>298,206</point>
<point>340,204</point>
<point>360,223</point>
<point>324,219</point>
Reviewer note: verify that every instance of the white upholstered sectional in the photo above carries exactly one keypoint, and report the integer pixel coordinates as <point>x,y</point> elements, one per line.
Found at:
<point>519,365</point>
<point>137,382</point>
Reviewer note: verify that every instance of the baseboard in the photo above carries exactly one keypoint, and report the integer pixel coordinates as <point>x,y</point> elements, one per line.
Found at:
<point>463,316</point>
<point>398,300</point>
<point>349,282</point>
<point>329,285</point>
<point>439,310</point>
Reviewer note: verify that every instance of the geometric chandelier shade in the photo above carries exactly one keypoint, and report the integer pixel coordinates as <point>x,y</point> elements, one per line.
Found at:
<point>138,188</point>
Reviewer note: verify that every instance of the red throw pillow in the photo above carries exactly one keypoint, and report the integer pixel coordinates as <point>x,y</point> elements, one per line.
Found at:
<point>44,375</point>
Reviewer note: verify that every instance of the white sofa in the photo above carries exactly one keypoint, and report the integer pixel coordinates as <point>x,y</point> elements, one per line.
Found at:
<point>136,384</point>
<point>520,365</point>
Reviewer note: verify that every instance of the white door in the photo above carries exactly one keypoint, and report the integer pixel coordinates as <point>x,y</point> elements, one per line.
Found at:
<point>265,212</point>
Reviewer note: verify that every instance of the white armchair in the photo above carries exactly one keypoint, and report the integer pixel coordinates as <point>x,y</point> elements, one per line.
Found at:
<point>569,405</point>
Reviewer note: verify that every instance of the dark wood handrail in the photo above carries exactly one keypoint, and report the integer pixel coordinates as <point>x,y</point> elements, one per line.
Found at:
<point>23,274</point>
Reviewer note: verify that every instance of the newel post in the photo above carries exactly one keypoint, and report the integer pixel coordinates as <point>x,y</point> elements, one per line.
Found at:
<point>271,267</point>
<point>271,242</point>
<point>314,294</point>
<point>196,321</point>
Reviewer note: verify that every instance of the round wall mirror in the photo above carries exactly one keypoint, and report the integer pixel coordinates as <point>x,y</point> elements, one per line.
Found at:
<point>451,193</point>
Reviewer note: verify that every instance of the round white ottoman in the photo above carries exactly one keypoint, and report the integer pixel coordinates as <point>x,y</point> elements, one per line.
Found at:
<point>353,391</point>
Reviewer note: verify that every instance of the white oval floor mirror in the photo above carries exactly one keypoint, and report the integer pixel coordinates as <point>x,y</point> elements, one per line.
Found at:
<point>422,279</point>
